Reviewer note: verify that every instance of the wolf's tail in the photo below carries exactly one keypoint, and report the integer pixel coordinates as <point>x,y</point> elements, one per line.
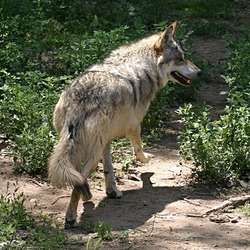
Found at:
<point>63,164</point>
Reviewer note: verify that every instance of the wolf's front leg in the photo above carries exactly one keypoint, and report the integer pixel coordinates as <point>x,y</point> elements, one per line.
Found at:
<point>111,189</point>
<point>135,137</point>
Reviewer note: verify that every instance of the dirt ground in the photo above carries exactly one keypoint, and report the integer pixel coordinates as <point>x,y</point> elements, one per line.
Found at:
<point>159,209</point>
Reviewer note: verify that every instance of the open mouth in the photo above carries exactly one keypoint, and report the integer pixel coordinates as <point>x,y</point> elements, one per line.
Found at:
<point>181,78</point>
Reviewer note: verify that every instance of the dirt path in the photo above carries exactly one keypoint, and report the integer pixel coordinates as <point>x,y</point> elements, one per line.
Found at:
<point>153,211</point>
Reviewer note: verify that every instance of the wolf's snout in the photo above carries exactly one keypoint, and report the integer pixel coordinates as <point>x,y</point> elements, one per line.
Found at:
<point>199,73</point>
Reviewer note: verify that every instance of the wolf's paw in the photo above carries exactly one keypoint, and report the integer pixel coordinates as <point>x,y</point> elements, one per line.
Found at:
<point>70,223</point>
<point>84,190</point>
<point>114,194</point>
<point>144,157</point>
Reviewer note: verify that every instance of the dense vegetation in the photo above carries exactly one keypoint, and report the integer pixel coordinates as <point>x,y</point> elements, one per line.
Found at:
<point>20,229</point>
<point>220,149</point>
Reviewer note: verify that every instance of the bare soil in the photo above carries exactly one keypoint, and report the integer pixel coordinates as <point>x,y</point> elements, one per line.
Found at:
<point>160,209</point>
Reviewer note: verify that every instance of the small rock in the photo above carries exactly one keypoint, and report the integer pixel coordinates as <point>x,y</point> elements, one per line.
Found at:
<point>176,170</point>
<point>134,177</point>
<point>94,235</point>
<point>235,219</point>
<point>59,219</point>
<point>220,218</point>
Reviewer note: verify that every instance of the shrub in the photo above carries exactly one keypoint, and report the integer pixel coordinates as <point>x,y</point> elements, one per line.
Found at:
<point>220,149</point>
<point>86,50</point>
<point>21,229</point>
<point>26,107</point>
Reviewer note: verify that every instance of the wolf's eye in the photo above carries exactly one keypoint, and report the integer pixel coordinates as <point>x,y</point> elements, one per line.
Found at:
<point>180,59</point>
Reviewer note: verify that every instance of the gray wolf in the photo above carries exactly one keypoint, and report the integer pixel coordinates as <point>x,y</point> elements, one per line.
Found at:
<point>107,101</point>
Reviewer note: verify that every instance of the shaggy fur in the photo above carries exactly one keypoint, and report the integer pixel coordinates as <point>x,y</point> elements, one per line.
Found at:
<point>107,101</point>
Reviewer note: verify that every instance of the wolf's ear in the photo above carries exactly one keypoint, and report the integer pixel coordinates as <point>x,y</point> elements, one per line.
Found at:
<point>165,37</point>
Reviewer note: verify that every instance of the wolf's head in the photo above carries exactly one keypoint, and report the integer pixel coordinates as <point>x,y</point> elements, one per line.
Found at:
<point>172,63</point>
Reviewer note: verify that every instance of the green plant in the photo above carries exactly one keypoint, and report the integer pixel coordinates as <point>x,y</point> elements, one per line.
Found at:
<point>122,152</point>
<point>207,23</point>
<point>220,149</point>
<point>13,215</point>
<point>245,209</point>
<point>26,108</point>
<point>85,50</point>
<point>103,229</point>
<point>20,229</point>
<point>96,244</point>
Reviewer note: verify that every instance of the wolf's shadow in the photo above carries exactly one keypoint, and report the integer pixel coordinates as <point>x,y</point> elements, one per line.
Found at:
<point>134,208</point>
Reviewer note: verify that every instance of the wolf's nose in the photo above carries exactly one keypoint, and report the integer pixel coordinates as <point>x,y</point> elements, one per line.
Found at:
<point>199,73</point>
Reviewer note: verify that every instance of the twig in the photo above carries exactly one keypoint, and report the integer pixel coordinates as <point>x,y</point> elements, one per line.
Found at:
<point>36,182</point>
<point>58,198</point>
<point>235,202</point>
<point>153,226</point>
<point>196,215</point>
<point>192,202</point>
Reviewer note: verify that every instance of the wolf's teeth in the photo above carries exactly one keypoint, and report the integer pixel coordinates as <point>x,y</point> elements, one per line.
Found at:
<point>182,77</point>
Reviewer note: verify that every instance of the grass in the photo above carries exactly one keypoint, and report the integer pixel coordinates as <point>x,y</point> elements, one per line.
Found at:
<point>245,210</point>
<point>21,229</point>
<point>103,230</point>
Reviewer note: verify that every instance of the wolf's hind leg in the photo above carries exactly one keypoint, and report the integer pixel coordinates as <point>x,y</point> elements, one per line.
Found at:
<point>71,214</point>
<point>79,191</point>
<point>93,155</point>
<point>111,189</point>
<point>135,137</point>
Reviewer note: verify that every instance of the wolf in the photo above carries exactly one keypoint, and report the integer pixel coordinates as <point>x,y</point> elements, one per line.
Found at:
<point>110,100</point>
